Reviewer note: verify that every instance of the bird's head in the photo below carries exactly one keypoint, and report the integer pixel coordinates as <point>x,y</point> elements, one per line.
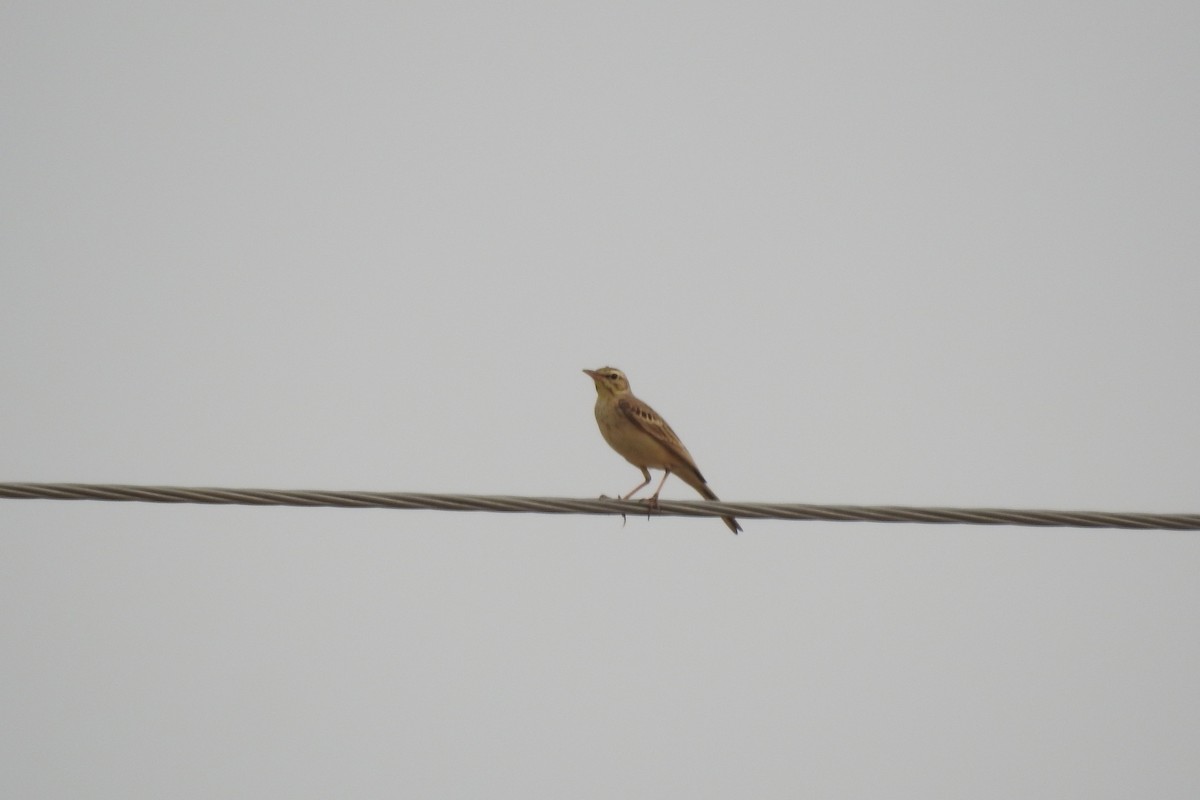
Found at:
<point>609,380</point>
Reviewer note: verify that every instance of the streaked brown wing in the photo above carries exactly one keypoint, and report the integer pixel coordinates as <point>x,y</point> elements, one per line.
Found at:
<point>649,421</point>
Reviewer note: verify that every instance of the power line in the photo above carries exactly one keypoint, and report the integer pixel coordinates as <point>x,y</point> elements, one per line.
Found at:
<point>556,505</point>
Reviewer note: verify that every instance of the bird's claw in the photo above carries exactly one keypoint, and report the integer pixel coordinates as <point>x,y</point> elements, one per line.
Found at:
<point>606,497</point>
<point>651,505</point>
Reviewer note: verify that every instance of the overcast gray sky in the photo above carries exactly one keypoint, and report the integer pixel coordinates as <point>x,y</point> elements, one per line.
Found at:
<point>925,253</point>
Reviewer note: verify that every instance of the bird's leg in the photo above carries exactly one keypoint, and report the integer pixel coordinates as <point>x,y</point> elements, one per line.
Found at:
<point>634,490</point>
<point>653,501</point>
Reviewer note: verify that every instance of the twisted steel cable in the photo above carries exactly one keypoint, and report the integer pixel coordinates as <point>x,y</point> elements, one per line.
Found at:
<point>557,505</point>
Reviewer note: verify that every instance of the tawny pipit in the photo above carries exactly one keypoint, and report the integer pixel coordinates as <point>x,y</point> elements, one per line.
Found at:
<point>643,438</point>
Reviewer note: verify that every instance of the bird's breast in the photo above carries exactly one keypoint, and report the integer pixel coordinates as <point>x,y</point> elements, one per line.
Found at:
<point>630,441</point>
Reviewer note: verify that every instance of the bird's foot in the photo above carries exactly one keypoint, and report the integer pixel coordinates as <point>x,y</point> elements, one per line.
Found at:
<point>606,497</point>
<point>651,505</point>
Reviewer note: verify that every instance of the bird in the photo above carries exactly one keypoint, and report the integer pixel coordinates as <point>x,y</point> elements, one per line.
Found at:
<point>643,438</point>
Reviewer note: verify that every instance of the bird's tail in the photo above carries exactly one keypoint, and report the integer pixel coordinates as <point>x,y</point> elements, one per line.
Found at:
<point>697,482</point>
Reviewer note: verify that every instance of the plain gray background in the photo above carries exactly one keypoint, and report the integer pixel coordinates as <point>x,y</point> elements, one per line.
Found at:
<point>925,253</point>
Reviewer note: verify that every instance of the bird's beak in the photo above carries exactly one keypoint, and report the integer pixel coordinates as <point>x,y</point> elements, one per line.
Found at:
<point>591,373</point>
